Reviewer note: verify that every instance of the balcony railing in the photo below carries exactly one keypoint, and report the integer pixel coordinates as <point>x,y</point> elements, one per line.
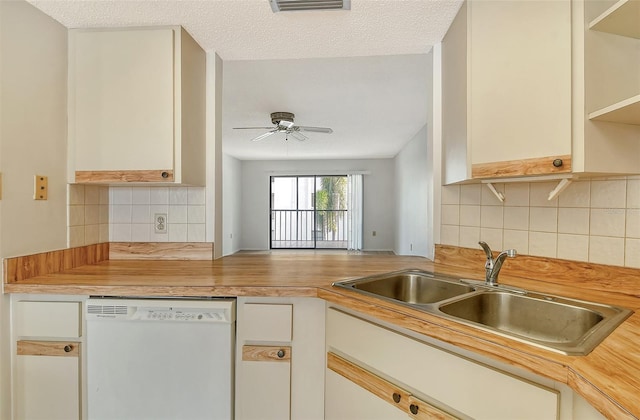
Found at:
<point>308,229</point>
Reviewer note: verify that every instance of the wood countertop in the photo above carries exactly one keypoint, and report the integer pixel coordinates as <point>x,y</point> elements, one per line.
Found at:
<point>608,377</point>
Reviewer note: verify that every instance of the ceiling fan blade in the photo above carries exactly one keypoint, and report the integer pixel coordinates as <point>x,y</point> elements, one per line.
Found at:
<point>298,135</point>
<point>253,128</point>
<point>315,129</point>
<point>264,136</point>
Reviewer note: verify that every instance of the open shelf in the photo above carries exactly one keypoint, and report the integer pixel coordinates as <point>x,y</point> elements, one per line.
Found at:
<point>623,18</point>
<point>625,112</point>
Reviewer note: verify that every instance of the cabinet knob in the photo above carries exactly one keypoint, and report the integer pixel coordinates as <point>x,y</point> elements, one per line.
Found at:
<point>68,348</point>
<point>165,174</point>
<point>557,163</point>
<point>280,353</point>
<point>396,397</point>
<point>414,409</point>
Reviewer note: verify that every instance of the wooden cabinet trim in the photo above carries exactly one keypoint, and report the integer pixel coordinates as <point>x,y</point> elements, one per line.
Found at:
<point>159,175</point>
<point>372,383</point>
<point>522,167</point>
<point>266,354</point>
<point>48,348</point>
<point>426,411</point>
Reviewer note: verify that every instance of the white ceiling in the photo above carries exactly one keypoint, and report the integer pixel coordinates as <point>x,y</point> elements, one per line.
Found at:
<point>361,72</point>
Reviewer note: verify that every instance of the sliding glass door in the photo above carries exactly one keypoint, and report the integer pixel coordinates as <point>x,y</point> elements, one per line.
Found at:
<point>308,212</point>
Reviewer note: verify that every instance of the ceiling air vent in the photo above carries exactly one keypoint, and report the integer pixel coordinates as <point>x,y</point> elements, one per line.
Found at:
<point>296,5</point>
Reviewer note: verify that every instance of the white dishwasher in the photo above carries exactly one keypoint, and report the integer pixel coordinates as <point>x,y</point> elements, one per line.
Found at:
<point>160,358</point>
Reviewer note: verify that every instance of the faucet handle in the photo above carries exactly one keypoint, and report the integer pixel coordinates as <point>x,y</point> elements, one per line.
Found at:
<point>487,249</point>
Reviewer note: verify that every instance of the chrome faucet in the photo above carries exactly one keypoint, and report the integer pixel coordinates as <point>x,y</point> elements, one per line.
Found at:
<point>492,267</point>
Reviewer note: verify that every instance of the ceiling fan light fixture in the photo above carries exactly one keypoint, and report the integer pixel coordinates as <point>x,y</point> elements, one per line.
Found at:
<point>298,5</point>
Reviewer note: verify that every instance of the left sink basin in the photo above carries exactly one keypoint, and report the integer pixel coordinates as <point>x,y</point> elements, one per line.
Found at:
<point>409,286</point>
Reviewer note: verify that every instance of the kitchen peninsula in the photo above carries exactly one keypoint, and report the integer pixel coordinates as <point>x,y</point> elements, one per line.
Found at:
<point>608,377</point>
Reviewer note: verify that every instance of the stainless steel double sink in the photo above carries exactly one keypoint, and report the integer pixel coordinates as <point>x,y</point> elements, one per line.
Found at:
<point>568,326</point>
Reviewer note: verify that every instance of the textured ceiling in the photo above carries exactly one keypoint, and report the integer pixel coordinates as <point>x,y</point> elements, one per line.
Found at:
<point>362,72</point>
<point>249,30</point>
<point>374,105</point>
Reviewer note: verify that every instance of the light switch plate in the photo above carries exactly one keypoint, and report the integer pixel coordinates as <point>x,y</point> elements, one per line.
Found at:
<point>40,187</point>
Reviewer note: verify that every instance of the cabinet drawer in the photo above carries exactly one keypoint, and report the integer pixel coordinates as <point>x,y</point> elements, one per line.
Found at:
<point>48,319</point>
<point>473,389</point>
<point>267,322</point>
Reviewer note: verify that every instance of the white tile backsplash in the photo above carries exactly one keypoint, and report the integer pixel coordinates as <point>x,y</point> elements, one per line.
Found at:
<point>607,222</point>
<point>470,194</point>
<point>575,195</point>
<point>516,218</point>
<point>196,214</point>
<point>469,215</point>
<point>633,194</point>
<point>159,195</point>
<point>573,247</point>
<point>136,207</point>
<point>196,196</point>
<point>451,194</point>
<point>606,250</point>
<point>543,219</point>
<point>573,220</point>
<point>491,217</point>
<point>87,214</point>
<point>141,195</point>
<point>539,194</point>
<point>608,194</point>
<point>633,223</point>
<point>543,244</point>
<point>595,220</point>
<point>516,194</point>
<point>632,253</point>
<point>450,214</point>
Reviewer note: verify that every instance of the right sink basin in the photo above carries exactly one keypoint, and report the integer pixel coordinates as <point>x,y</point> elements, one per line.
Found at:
<point>569,326</point>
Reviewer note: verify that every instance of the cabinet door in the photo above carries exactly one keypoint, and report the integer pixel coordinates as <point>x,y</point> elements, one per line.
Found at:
<point>266,377</point>
<point>121,99</point>
<point>47,380</point>
<point>519,97</point>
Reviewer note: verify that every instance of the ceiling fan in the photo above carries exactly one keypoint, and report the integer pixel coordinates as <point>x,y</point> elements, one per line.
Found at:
<point>283,123</point>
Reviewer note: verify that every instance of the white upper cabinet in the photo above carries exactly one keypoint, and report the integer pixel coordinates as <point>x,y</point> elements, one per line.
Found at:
<point>506,80</point>
<point>136,106</point>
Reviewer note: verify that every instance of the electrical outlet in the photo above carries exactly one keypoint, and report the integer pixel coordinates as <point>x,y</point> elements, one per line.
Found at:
<point>160,222</point>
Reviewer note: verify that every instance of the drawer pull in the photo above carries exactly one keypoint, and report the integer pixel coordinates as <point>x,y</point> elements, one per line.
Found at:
<point>281,353</point>
<point>68,348</point>
<point>414,409</point>
<point>396,397</point>
<point>557,163</point>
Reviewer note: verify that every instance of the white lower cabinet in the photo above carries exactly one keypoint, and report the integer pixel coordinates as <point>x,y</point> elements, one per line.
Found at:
<point>47,373</point>
<point>279,359</point>
<point>437,383</point>
<point>47,380</point>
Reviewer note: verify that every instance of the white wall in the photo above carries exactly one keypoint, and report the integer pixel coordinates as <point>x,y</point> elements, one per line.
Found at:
<point>232,205</point>
<point>33,128</point>
<point>416,182</point>
<point>378,203</point>
<point>411,187</point>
